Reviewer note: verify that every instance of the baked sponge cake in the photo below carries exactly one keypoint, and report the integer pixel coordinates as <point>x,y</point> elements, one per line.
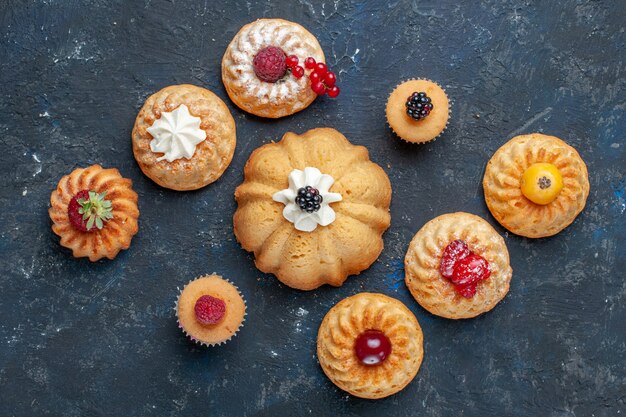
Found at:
<point>184,137</point>
<point>312,208</point>
<point>536,185</point>
<point>94,212</point>
<point>370,345</point>
<point>457,266</point>
<point>255,72</point>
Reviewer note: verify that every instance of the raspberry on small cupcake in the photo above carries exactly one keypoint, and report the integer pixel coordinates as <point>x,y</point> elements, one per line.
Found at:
<point>210,310</point>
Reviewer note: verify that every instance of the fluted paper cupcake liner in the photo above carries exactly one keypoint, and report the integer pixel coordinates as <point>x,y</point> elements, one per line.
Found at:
<point>447,121</point>
<point>198,341</point>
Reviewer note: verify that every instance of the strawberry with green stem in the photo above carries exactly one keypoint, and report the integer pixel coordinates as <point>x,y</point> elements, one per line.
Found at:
<point>89,210</point>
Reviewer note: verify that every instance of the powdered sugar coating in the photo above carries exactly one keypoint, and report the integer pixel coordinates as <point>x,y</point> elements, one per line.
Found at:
<point>284,97</point>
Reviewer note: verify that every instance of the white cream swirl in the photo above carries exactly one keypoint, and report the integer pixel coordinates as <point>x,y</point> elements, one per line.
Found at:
<point>176,134</point>
<point>303,221</point>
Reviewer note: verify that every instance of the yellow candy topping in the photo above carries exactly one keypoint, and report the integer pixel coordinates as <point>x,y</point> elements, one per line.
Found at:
<point>542,183</point>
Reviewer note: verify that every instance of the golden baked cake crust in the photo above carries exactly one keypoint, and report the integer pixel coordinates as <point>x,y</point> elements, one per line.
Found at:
<point>502,185</point>
<point>284,97</point>
<point>418,131</point>
<point>116,233</point>
<point>436,293</point>
<point>211,157</point>
<point>341,327</point>
<point>215,286</point>
<point>306,260</point>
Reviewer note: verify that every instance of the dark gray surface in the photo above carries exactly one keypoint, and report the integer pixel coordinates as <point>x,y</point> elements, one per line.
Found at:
<point>78,338</point>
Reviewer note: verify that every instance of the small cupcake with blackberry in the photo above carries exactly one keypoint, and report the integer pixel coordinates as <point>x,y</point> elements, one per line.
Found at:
<point>210,310</point>
<point>418,110</point>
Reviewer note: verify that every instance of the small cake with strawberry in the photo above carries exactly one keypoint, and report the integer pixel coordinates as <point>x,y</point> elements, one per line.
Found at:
<point>418,110</point>
<point>184,137</point>
<point>94,212</point>
<point>370,345</point>
<point>210,310</point>
<point>274,68</point>
<point>536,185</point>
<point>457,266</point>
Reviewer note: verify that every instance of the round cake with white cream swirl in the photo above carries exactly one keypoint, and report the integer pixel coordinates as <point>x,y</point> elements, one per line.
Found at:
<point>269,96</point>
<point>184,137</point>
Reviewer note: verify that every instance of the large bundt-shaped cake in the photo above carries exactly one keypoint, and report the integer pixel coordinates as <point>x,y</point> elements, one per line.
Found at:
<point>312,208</point>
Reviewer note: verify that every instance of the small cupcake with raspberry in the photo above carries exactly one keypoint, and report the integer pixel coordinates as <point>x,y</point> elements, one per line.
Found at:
<point>94,212</point>
<point>418,110</point>
<point>210,310</point>
<point>275,68</point>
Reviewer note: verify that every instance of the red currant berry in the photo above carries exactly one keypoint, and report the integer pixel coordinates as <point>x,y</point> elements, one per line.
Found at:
<point>333,91</point>
<point>314,77</point>
<point>470,270</point>
<point>467,291</point>
<point>309,63</point>
<point>455,251</point>
<point>321,68</point>
<point>291,61</point>
<point>330,79</point>
<point>372,347</point>
<point>297,71</point>
<point>318,88</point>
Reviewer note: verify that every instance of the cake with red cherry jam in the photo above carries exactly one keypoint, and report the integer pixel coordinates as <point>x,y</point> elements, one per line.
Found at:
<point>457,266</point>
<point>94,212</point>
<point>370,345</point>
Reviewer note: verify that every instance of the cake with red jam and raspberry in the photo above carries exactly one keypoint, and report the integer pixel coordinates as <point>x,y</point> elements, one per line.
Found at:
<point>536,185</point>
<point>457,266</point>
<point>370,345</point>
<point>312,208</point>
<point>274,68</point>
<point>210,310</point>
<point>418,110</point>
<point>184,137</point>
<point>94,212</point>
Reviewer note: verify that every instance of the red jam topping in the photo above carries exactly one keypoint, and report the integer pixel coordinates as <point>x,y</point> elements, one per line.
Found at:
<point>463,268</point>
<point>470,270</point>
<point>372,347</point>
<point>209,310</point>
<point>454,252</point>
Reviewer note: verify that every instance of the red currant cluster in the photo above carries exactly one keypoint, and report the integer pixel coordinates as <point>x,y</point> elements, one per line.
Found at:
<point>322,80</point>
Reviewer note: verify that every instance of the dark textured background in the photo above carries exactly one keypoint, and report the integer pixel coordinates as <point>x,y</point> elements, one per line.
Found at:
<point>78,338</point>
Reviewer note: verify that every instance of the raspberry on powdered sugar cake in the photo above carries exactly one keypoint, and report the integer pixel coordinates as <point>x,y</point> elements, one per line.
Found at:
<point>264,68</point>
